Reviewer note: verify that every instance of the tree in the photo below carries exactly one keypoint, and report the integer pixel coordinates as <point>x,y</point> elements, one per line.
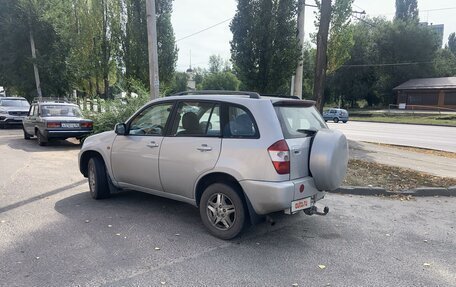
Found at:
<point>17,20</point>
<point>321,60</point>
<point>221,81</point>
<point>264,49</point>
<point>407,10</point>
<point>445,63</point>
<point>135,41</point>
<point>452,43</point>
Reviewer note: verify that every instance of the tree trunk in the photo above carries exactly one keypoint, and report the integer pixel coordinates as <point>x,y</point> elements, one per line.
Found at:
<point>322,45</point>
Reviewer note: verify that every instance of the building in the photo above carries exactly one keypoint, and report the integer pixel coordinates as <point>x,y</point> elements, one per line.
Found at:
<point>427,93</point>
<point>437,28</point>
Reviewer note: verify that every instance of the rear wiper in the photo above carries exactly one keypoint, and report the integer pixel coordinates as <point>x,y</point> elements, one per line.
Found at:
<point>309,132</point>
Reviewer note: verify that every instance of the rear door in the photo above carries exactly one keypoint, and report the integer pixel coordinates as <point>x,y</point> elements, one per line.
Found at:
<point>28,121</point>
<point>192,146</point>
<point>299,124</point>
<point>134,157</point>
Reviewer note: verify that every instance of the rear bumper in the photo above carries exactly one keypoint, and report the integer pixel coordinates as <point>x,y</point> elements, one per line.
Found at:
<point>267,197</point>
<point>56,134</point>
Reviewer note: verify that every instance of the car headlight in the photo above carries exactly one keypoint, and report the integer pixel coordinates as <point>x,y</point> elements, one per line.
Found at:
<point>3,112</point>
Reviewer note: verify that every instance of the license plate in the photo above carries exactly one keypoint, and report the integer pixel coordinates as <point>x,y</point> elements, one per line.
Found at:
<point>301,204</point>
<point>70,125</point>
<point>18,119</point>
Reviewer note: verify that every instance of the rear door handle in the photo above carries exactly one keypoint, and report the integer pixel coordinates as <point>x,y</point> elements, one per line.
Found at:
<point>152,144</point>
<point>204,147</point>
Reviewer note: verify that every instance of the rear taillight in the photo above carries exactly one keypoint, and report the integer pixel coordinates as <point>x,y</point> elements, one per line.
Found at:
<point>87,125</point>
<point>53,125</point>
<point>280,157</point>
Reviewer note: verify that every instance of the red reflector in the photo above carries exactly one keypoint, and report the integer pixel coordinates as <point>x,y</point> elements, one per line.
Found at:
<point>53,125</point>
<point>301,188</point>
<point>282,167</point>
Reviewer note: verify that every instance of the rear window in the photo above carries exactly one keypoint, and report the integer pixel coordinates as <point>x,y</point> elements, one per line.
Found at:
<point>60,111</point>
<point>299,121</point>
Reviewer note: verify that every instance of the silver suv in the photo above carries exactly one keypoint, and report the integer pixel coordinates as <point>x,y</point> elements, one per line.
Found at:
<point>236,156</point>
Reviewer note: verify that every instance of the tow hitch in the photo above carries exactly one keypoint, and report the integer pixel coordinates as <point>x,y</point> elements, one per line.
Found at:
<point>314,210</point>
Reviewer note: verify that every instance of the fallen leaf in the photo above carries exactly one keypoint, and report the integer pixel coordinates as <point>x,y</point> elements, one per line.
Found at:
<point>118,234</point>
<point>157,248</point>
<point>37,258</point>
<point>322,266</point>
<point>387,234</point>
<point>425,241</point>
<point>426,264</point>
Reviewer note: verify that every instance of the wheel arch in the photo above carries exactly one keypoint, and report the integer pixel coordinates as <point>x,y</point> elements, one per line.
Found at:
<point>221,177</point>
<point>84,160</point>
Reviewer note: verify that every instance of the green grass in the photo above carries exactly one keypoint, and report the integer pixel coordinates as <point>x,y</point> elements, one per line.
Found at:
<point>449,120</point>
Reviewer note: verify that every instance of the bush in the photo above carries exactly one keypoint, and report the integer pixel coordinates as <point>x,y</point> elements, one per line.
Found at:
<point>118,110</point>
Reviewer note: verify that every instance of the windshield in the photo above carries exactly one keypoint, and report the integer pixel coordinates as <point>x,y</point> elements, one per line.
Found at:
<point>299,121</point>
<point>14,103</point>
<point>60,111</point>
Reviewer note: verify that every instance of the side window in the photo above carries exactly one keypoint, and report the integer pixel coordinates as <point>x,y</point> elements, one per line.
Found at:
<point>240,124</point>
<point>332,111</point>
<point>31,110</point>
<point>196,119</point>
<point>151,121</point>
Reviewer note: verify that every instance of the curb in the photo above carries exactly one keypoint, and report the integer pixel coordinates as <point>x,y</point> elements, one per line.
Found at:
<point>421,191</point>
<point>435,125</point>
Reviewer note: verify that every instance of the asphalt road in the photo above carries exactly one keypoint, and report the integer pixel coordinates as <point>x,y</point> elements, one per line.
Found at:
<point>432,137</point>
<point>53,234</point>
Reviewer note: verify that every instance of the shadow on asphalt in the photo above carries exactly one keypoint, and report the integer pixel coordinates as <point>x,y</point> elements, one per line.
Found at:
<point>156,214</point>
<point>32,146</point>
<point>41,196</point>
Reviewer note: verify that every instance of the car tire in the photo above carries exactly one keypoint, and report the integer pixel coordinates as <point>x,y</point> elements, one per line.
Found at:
<point>42,140</point>
<point>2,125</point>
<point>26,135</point>
<point>344,122</point>
<point>222,211</point>
<point>336,120</point>
<point>98,179</point>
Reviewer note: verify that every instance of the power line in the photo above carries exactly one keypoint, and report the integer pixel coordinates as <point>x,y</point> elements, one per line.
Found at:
<point>205,29</point>
<point>387,65</point>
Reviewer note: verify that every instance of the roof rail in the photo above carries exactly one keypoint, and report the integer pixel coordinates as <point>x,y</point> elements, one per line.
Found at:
<point>281,96</point>
<point>252,95</point>
<point>52,100</point>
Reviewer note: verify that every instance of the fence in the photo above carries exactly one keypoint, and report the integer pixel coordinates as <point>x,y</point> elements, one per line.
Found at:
<point>418,108</point>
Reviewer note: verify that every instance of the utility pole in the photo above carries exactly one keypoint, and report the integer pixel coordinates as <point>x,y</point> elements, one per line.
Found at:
<point>153,53</point>
<point>322,45</point>
<point>35,68</point>
<point>297,89</point>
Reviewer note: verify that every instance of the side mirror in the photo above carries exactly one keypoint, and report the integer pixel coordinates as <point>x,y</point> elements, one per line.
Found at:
<point>120,129</point>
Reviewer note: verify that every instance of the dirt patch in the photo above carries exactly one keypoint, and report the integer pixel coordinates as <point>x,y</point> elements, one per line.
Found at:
<point>419,150</point>
<point>363,173</point>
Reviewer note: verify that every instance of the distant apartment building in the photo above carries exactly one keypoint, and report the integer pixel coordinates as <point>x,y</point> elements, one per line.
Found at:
<point>438,28</point>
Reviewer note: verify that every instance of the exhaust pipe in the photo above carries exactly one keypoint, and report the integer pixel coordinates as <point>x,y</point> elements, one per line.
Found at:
<point>314,210</point>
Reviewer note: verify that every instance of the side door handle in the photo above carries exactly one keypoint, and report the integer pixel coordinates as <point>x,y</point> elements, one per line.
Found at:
<point>152,144</point>
<point>204,147</point>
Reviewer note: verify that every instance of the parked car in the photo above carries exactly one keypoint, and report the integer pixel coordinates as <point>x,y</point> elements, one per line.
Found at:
<point>336,115</point>
<point>50,119</point>
<point>12,110</point>
<point>236,156</point>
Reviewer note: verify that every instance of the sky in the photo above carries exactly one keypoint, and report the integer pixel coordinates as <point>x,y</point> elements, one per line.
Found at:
<point>191,16</point>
